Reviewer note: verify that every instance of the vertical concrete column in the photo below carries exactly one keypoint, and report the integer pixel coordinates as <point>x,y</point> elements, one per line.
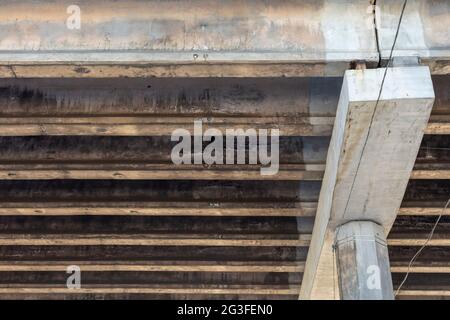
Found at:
<point>363,262</point>
<point>376,136</point>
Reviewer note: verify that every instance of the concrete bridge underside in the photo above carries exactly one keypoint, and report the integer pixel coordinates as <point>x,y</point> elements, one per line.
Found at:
<point>85,170</point>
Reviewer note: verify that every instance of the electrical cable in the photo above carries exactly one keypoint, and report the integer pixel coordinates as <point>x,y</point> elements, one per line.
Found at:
<point>430,236</point>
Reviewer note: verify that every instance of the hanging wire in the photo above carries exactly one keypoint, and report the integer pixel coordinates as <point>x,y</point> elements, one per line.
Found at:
<point>430,236</point>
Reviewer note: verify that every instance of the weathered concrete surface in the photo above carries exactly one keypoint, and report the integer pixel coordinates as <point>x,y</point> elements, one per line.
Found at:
<point>223,38</point>
<point>424,32</point>
<point>291,26</point>
<point>372,145</point>
<point>362,261</point>
<point>171,97</point>
<point>192,32</point>
<point>297,106</point>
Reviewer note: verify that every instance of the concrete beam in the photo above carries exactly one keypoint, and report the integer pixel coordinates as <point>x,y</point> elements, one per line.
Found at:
<point>424,32</point>
<point>254,38</point>
<point>370,159</point>
<point>194,38</point>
